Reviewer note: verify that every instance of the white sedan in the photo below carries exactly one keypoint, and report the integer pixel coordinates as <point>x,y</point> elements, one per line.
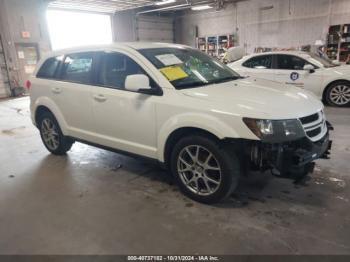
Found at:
<point>328,81</point>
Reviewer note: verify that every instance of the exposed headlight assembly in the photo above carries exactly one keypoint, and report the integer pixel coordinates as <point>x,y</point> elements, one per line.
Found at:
<point>275,131</point>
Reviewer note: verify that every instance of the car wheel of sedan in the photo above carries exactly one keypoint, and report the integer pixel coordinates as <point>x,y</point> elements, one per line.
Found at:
<point>338,94</point>
<point>52,136</point>
<point>205,170</point>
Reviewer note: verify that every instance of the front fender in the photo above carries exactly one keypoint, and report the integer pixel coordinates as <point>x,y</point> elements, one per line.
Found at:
<point>192,120</point>
<point>50,104</point>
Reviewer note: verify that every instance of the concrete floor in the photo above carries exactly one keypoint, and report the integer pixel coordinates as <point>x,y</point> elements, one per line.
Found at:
<point>97,202</point>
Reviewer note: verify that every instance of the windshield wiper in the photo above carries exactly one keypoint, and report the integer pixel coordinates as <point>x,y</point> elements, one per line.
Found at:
<point>226,79</point>
<point>191,85</point>
<point>199,84</point>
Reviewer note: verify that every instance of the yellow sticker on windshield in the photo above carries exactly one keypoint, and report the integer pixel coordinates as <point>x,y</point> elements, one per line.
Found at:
<point>173,73</point>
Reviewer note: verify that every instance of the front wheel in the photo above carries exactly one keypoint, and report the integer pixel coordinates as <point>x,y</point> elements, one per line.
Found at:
<point>205,169</point>
<point>338,94</point>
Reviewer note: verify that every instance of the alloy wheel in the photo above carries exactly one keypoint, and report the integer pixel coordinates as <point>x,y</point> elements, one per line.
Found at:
<point>340,95</point>
<point>50,134</point>
<point>199,170</point>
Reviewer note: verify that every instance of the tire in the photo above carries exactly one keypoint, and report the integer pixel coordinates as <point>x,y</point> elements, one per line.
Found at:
<point>338,94</point>
<point>196,178</point>
<point>52,136</point>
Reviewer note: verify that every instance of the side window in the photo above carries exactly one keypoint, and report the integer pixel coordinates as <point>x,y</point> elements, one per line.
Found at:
<point>49,67</point>
<point>259,62</point>
<point>290,62</point>
<point>114,69</point>
<point>77,68</point>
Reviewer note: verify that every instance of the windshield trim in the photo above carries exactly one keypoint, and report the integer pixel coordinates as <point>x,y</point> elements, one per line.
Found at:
<point>322,60</point>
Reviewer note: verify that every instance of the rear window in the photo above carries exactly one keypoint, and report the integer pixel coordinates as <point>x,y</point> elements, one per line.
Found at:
<point>77,68</point>
<point>50,67</point>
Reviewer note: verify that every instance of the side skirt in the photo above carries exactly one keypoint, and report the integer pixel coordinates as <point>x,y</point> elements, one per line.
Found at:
<point>133,155</point>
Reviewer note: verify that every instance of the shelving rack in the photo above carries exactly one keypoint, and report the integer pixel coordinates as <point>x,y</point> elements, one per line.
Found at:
<point>202,44</point>
<point>212,45</point>
<point>215,46</point>
<point>338,44</point>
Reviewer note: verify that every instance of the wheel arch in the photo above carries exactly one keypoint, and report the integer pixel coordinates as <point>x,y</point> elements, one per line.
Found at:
<point>182,132</point>
<point>39,111</point>
<point>46,105</point>
<point>187,124</point>
<point>324,93</point>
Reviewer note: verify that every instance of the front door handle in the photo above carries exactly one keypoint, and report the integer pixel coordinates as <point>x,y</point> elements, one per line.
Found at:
<point>56,90</point>
<point>100,98</point>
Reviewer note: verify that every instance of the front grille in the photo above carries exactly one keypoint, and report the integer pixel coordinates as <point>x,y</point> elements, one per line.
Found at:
<point>314,125</point>
<point>314,132</point>
<point>309,119</point>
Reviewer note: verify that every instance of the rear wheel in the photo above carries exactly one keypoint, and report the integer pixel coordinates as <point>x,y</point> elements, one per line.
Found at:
<point>205,169</point>
<point>52,136</point>
<point>338,94</point>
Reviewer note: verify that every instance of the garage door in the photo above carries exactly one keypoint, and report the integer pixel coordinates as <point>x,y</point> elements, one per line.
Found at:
<point>155,29</point>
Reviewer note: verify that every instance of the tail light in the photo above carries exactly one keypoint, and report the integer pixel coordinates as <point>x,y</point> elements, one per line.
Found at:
<point>28,84</point>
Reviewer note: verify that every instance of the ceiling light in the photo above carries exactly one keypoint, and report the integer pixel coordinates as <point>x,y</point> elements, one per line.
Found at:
<point>201,7</point>
<point>165,2</point>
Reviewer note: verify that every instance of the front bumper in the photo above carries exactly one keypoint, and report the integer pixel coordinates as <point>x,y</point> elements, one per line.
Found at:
<point>292,160</point>
<point>296,162</point>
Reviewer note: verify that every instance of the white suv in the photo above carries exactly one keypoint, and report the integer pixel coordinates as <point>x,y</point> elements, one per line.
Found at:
<point>328,81</point>
<point>180,107</point>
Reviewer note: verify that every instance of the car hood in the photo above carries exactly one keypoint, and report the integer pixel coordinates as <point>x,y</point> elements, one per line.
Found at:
<point>258,98</point>
<point>342,68</point>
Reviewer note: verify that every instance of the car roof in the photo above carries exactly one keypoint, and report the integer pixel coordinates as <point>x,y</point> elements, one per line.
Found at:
<point>133,45</point>
<point>297,53</point>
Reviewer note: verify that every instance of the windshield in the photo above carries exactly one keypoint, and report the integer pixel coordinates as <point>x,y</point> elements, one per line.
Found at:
<point>325,61</point>
<point>188,68</point>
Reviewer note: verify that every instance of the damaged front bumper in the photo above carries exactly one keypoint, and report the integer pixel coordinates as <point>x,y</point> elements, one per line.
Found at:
<point>294,160</point>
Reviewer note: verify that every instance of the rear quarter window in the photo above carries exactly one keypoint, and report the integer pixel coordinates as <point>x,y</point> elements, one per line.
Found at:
<point>49,68</point>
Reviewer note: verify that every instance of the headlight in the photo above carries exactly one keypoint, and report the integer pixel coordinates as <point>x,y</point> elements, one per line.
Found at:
<point>275,131</point>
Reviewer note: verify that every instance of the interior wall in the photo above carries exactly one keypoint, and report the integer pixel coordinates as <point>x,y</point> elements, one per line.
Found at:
<point>285,25</point>
<point>17,16</point>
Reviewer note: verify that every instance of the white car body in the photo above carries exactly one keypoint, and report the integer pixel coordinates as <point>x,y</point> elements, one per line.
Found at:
<point>148,123</point>
<point>316,81</point>
<point>143,124</point>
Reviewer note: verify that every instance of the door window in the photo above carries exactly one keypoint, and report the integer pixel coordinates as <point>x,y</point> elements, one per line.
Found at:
<point>49,68</point>
<point>290,62</point>
<point>259,62</point>
<point>77,68</point>
<point>114,69</point>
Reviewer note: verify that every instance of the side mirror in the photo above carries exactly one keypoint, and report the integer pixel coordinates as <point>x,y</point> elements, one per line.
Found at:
<point>309,68</point>
<point>335,62</point>
<point>137,83</point>
<point>235,54</point>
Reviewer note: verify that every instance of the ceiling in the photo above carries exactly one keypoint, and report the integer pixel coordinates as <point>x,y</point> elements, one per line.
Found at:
<point>112,6</point>
<point>104,6</point>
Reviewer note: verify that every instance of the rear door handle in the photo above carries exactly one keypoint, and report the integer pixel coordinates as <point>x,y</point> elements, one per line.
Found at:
<point>56,90</point>
<point>100,98</point>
